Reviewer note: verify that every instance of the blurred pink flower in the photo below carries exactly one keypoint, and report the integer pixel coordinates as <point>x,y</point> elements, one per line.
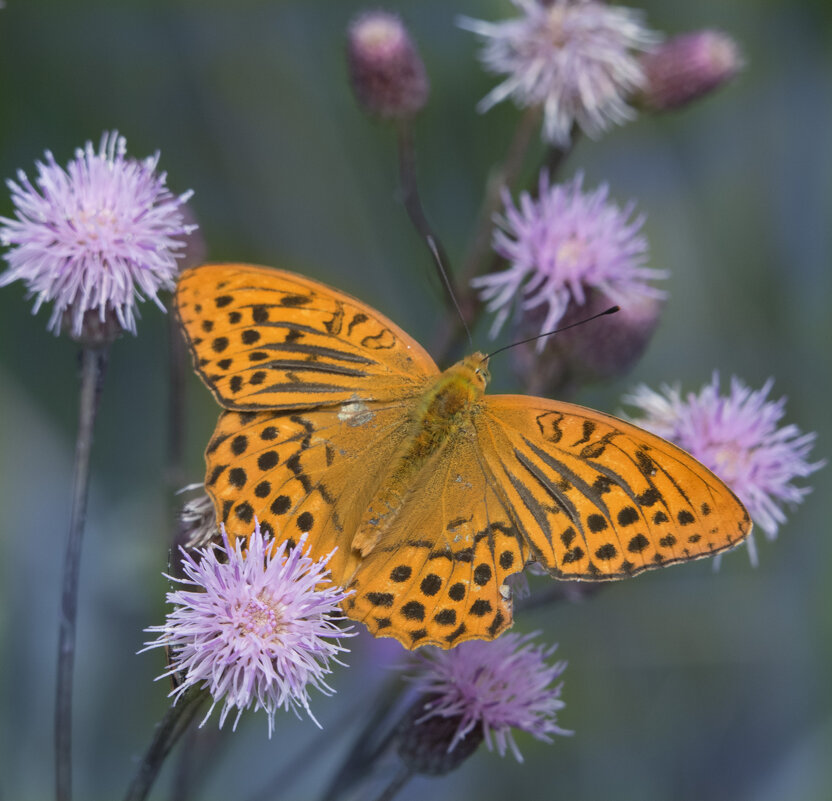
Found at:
<point>560,246</point>
<point>737,436</point>
<point>494,686</point>
<point>575,58</point>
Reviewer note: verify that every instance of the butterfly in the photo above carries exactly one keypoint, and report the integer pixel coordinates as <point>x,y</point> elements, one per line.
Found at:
<point>339,426</point>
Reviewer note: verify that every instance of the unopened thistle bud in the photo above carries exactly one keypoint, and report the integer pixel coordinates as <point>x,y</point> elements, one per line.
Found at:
<point>688,67</point>
<point>433,746</point>
<point>386,70</point>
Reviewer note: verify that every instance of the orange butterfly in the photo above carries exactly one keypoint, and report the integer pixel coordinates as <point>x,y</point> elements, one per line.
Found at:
<point>339,425</point>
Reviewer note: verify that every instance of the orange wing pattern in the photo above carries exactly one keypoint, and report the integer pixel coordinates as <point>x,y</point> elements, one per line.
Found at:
<point>439,577</point>
<point>306,471</point>
<point>268,339</point>
<point>598,498</point>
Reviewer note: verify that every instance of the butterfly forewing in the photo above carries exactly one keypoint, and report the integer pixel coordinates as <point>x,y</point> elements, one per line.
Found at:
<point>268,339</point>
<point>599,498</point>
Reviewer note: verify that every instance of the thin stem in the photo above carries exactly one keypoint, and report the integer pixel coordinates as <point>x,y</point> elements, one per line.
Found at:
<point>368,744</point>
<point>504,175</point>
<point>294,766</point>
<point>415,210</point>
<point>176,406</point>
<point>93,366</point>
<point>402,777</point>
<point>175,470</point>
<point>168,731</point>
<point>479,252</point>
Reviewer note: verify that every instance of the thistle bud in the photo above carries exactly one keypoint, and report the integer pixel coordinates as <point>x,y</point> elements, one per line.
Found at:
<point>386,70</point>
<point>601,349</point>
<point>433,746</point>
<point>688,67</point>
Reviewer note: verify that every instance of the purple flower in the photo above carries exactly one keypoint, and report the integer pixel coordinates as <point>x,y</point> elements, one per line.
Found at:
<point>737,436</point>
<point>95,236</point>
<point>386,70</point>
<point>258,629</point>
<point>688,67</point>
<point>560,246</point>
<point>575,58</point>
<point>496,686</point>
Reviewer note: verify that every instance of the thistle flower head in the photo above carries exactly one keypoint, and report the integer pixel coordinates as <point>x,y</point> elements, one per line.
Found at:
<point>94,237</point>
<point>687,67</point>
<point>489,688</point>
<point>574,58</point>
<point>257,629</point>
<point>739,438</point>
<point>560,246</point>
<point>386,70</point>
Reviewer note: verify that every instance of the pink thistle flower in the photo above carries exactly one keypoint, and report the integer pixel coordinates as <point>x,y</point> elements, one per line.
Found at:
<point>737,436</point>
<point>387,73</point>
<point>492,688</point>
<point>689,66</point>
<point>575,58</point>
<point>257,630</point>
<point>562,245</point>
<point>95,236</point>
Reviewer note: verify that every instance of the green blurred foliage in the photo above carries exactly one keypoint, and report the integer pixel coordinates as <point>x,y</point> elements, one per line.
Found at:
<point>685,684</point>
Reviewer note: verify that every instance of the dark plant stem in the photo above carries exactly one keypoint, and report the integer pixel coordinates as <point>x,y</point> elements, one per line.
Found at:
<point>294,766</point>
<point>175,470</point>
<point>176,406</point>
<point>93,367</point>
<point>168,731</point>
<point>368,744</point>
<point>402,777</point>
<point>479,255</point>
<point>415,211</point>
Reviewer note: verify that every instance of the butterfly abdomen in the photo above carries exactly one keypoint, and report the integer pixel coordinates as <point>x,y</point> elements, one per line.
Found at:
<point>442,415</point>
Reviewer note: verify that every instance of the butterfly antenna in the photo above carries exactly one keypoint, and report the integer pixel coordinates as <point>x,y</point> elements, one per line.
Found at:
<point>446,280</point>
<point>610,310</point>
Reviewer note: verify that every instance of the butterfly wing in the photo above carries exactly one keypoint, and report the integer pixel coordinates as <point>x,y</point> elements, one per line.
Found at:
<point>438,577</point>
<point>268,339</point>
<point>599,498</point>
<point>301,472</point>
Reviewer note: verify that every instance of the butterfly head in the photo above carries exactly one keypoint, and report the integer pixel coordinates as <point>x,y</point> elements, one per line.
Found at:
<point>475,369</point>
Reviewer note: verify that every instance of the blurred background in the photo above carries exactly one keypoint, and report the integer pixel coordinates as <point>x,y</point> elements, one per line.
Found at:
<point>682,684</point>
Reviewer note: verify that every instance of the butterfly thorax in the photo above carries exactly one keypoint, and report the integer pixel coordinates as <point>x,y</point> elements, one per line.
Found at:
<point>443,414</point>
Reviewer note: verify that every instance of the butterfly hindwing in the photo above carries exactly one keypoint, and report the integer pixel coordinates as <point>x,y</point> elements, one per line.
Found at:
<point>599,498</point>
<point>439,577</point>
<point>301,472</point>
<point>268,339</point>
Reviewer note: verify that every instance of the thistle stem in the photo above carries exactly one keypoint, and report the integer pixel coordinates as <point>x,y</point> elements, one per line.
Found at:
<point>93,367</point>
<point>402,777</point>
<point>168,731</point>
<point>415,211</point>
<point>368,745</point>
<point>175,470</point>
<point>176,406</point>
<point>479,253</point>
